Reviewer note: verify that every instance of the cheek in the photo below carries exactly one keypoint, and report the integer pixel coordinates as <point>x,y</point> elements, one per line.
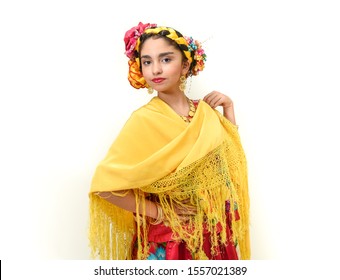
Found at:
<point>175,71</point>
<point>146,72</point>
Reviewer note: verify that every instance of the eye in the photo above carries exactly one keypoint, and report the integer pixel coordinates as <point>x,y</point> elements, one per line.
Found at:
<point>166,60</point>
<point>146,62</point>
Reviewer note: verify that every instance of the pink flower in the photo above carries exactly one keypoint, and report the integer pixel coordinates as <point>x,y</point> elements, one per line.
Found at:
<point>132,35</point>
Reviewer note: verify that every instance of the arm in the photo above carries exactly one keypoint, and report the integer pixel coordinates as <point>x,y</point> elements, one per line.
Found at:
<point>215,99</point>
<point>127,201</point>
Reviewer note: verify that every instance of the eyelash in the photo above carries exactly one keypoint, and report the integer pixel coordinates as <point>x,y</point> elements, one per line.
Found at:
<point>148,62</point>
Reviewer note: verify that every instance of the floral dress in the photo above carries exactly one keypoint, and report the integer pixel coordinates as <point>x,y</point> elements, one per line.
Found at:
<point>163,247</point>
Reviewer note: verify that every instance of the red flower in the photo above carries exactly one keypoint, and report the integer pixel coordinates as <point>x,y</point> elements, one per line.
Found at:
<point>132,35</point>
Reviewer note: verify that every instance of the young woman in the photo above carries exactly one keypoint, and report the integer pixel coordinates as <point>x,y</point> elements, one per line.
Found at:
<point>173,185</point>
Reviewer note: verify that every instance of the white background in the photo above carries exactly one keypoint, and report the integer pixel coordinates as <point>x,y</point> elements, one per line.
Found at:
<point>65,96</point>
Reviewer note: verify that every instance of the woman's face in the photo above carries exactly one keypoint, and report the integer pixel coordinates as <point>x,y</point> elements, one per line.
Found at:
<point>162,65</point>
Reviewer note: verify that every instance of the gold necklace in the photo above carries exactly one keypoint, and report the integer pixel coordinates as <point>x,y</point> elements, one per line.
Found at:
<point>191,112</point>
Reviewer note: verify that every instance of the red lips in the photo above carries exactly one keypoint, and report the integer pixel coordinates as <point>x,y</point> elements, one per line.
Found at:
<point>158,80</point>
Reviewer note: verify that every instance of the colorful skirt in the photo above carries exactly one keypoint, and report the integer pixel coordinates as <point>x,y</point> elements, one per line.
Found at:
<point>163,247</point>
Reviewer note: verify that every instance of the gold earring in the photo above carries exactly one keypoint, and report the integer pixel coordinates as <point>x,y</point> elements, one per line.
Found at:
<point>182,84</point>
<point>150,90</point>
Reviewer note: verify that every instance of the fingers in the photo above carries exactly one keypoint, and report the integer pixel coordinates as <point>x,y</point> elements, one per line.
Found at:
<point>185,210</point>
<point>214,99</point>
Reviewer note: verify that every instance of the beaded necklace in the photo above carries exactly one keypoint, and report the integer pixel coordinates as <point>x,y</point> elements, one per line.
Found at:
<point>191,112</point>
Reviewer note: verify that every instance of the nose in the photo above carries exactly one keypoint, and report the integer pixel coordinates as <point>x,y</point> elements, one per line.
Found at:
<point>156,68</point>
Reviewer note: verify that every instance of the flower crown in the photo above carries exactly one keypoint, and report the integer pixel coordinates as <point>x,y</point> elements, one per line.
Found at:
<point>191,48</point>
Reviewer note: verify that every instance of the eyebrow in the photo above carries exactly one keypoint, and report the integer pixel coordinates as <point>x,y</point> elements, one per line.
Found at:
<point>160,55</point>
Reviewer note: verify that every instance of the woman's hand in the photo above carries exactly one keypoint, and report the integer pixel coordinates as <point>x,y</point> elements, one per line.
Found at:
<point>216,98</point>
<point>184,210</point>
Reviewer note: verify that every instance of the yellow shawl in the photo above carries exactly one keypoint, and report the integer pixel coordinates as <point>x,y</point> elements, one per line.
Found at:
<point>156,152</point>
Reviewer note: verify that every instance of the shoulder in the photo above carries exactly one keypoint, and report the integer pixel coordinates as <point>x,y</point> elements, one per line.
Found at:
<point>143,116</point>
<point>142,109</point>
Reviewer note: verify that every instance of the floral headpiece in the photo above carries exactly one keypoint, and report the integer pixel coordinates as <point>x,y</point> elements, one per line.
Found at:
<point>191,48</point>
